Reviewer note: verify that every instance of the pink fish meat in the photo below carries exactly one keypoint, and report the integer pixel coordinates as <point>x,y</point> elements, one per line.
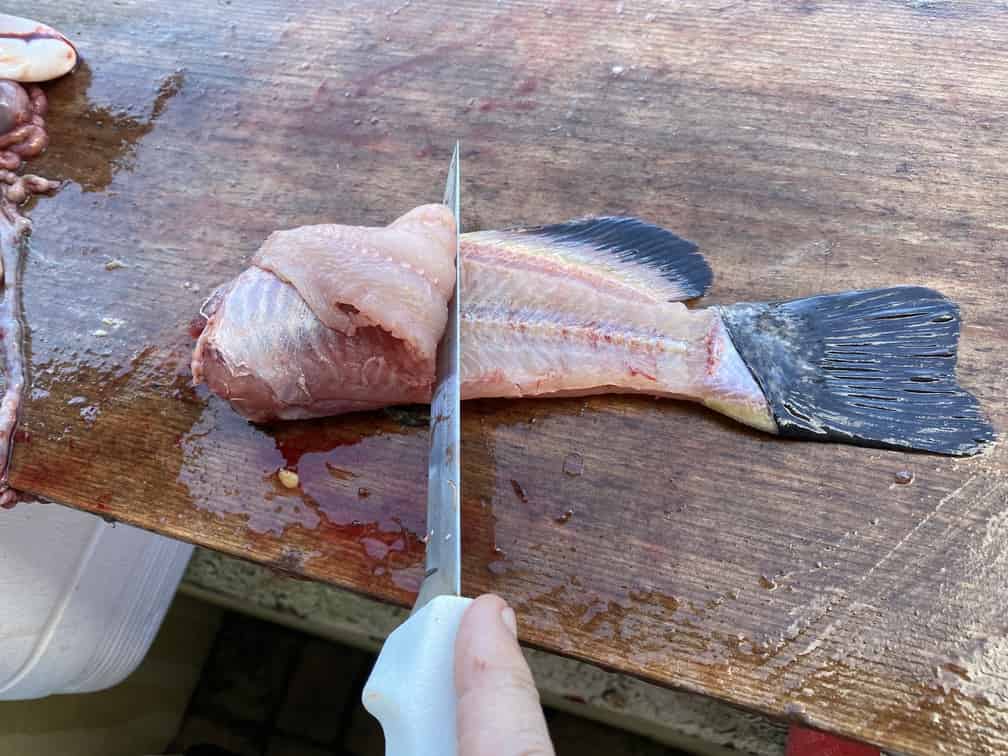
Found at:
<point>332,319</point>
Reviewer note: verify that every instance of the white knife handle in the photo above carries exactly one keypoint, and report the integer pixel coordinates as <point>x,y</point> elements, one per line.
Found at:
<point>411,690</point>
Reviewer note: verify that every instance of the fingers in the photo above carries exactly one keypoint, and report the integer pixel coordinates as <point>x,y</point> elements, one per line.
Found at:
<point>498,705</point>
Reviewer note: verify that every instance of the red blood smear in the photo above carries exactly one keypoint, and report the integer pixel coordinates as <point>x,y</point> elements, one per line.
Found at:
<point>196,326</point>
<point>294,441</point>
<point>635,372</point>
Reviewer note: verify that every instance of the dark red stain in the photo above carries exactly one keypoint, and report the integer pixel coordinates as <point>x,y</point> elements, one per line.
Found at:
<point>635,372</point>
<point>520,106</point>
<point>374,545</point>
<point>22,436</point>
<point>519,491</point>
<point>363,85</point>
<point>293,441</point>
<point>196,326</point>
<point>528,86</point>
<point>714,345</point>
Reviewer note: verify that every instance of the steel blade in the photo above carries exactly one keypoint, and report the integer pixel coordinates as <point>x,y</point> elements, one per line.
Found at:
<point>444,549</point>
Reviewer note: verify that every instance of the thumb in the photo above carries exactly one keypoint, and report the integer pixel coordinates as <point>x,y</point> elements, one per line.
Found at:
<point>498,705</point>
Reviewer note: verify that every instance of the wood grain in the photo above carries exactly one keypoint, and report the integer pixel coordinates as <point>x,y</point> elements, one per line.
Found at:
<point>807,147</point>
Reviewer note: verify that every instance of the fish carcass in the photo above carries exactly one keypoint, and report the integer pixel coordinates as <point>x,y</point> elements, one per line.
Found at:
<point>333,319</point>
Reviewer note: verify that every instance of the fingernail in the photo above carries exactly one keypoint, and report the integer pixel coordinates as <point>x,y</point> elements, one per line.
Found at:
<point>509,620</point>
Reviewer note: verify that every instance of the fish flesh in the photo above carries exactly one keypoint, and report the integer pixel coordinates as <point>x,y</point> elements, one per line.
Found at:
<point>334,319</point>
<point>31,52</point>
<point>595,306</point>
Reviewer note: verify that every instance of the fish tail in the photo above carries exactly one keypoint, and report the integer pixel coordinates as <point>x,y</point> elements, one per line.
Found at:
<point>873,368</point>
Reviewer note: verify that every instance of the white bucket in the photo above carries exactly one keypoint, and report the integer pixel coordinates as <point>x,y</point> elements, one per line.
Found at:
<point>80,599</point>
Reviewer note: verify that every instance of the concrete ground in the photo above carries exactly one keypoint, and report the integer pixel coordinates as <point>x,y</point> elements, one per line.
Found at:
<point>250,662</point>
<point>267,690</point>
<point>219,682</point>
<point>684,721</point>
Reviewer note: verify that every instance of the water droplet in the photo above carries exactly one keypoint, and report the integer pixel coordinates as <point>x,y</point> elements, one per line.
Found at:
<point>794,709</point>
<point>573,464</point>
<point>565,517</point>
<point>904,477</point>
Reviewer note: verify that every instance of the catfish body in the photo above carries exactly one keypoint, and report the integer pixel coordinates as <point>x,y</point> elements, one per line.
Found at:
<point>335,319</point>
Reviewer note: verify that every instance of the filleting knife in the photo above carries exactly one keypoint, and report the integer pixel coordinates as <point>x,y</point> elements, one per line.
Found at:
<point>411,690</point>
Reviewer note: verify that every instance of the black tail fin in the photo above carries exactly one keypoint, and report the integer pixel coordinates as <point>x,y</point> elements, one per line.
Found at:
<point>874,368</point>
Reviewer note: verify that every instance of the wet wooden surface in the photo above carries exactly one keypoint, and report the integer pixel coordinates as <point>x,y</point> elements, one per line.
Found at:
<point>807,147</point>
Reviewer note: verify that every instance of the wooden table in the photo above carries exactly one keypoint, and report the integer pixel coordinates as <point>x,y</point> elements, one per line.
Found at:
<point>807,147</point>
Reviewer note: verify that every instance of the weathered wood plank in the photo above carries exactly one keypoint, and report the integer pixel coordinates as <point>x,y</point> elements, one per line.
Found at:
<point>807,147</point>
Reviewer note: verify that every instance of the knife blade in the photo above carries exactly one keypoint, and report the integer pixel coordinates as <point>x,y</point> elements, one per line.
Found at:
<point>411,690</point>
<point>442,575</point>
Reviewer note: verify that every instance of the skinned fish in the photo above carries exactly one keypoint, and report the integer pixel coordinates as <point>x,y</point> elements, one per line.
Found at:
<point>335,319</point>
<point>593,307</point>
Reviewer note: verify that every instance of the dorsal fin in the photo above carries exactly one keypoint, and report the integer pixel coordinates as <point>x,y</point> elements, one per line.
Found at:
<point>632,243</point>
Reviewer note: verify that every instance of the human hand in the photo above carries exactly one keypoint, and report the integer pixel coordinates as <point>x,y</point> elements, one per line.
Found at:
<point>498,707</point>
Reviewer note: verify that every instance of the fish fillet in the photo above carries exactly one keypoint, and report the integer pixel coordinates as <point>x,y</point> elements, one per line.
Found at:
<point>559,311</point>
<point>332,319</point>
